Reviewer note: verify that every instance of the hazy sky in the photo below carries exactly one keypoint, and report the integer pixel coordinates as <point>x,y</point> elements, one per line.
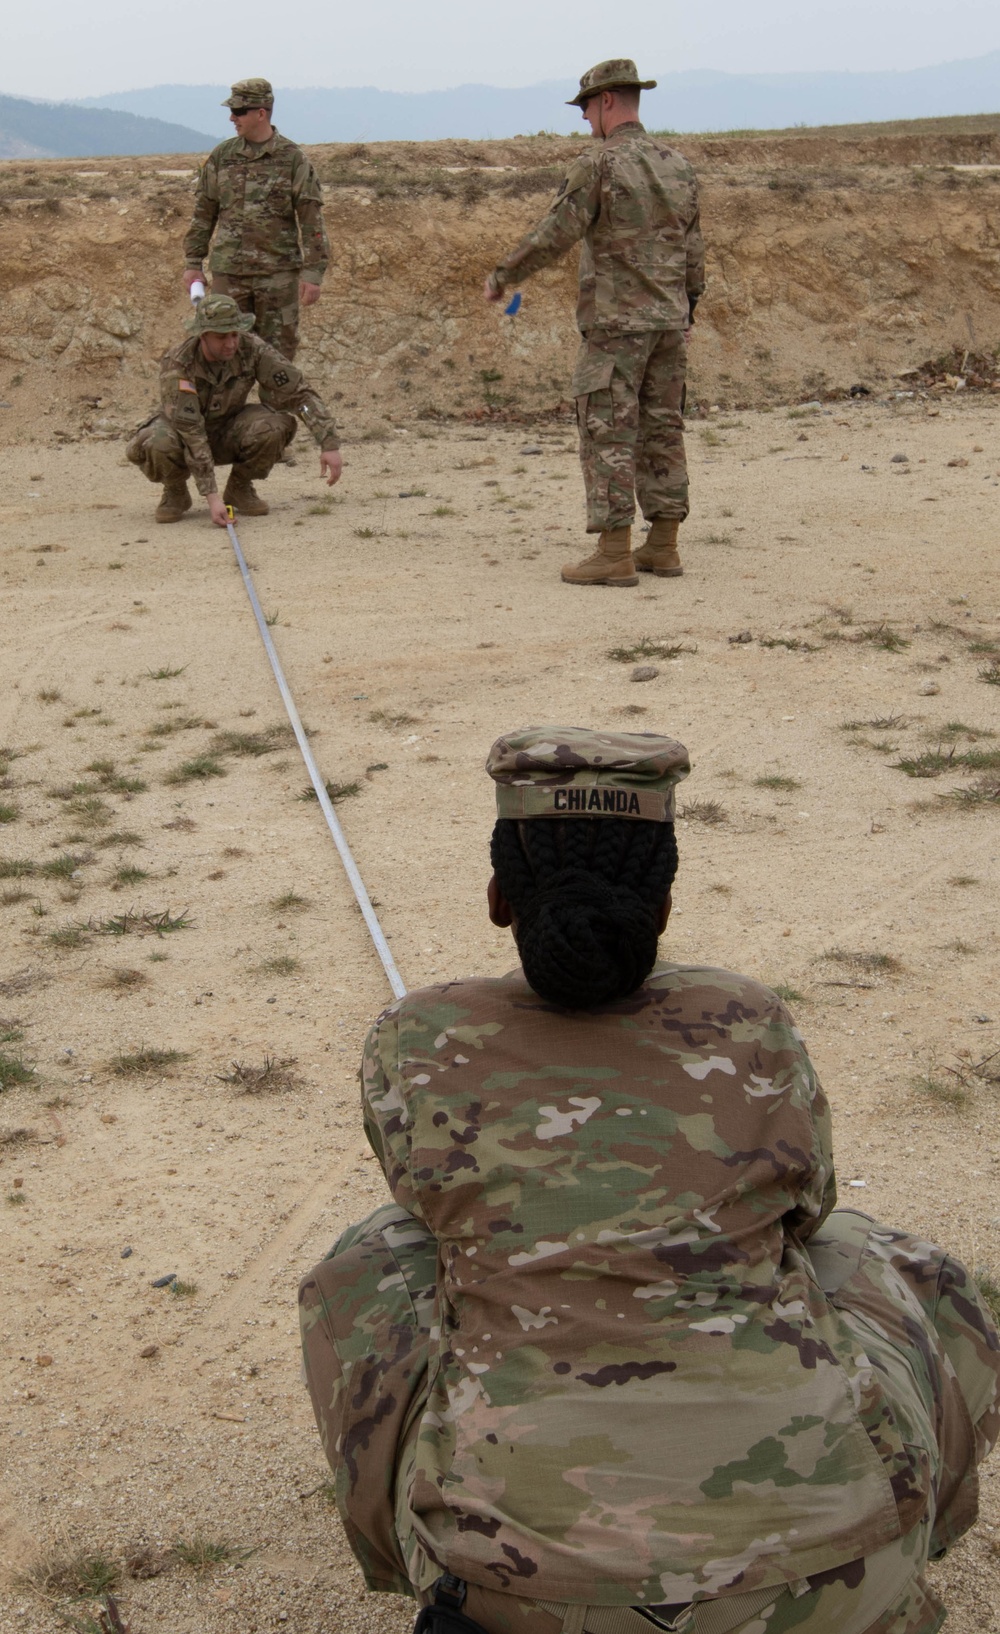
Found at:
<point>62,48</point>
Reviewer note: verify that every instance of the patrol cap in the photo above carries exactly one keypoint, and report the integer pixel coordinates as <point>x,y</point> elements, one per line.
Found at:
<point>617,74</point>
<point>572,771</point>
<point>219,315</point>
<point>251,93</point>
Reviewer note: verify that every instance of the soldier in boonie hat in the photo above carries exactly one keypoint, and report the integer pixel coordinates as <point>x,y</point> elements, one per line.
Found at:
<point>219,315</point>
<point>617,74</point>
<point>560,771</point>
<point>250,93</point>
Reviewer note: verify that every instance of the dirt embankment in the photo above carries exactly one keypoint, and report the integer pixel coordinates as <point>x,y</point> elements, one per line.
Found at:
<point>832,261</point>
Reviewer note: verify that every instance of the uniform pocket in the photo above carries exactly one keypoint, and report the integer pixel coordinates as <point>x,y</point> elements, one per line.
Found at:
<point>592,373</point>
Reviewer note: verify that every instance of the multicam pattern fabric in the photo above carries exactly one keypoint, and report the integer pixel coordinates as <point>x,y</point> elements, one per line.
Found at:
<point>197,398</point>
<point>634,202</point>
<point>629,392</point>
<point>614,74</point>
<point>565,771</point>
<point>632,1388</point>
<point>259,205</point>
<point>274,303</point>
<point>250,93</point>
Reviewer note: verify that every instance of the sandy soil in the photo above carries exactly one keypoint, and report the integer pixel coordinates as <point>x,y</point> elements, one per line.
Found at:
<point>413,630</point>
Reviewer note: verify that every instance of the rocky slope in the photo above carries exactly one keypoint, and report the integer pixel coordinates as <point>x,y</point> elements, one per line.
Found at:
<point>833,260</point>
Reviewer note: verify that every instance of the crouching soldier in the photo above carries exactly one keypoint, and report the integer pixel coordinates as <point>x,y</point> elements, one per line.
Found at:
<point>205,419</point>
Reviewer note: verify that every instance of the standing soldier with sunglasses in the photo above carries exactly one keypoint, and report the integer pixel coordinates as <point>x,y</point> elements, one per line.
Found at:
<point>259,205</point>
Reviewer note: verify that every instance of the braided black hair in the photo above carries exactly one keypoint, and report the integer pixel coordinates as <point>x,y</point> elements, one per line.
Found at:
<point>586,893</point>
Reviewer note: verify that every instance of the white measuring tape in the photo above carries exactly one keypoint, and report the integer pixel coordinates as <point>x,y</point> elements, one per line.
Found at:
<point>325,806</point>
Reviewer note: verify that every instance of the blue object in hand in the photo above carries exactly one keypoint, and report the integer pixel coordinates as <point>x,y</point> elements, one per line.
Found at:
<point>514,307</point>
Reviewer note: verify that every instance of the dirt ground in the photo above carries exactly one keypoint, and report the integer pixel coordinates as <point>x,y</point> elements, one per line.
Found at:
<point>165,888</point>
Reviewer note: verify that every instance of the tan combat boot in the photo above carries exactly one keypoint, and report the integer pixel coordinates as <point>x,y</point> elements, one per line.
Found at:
<point>174,500</point>
<point>611,563</point>
<point>241,494</point>
<point>659,553</point>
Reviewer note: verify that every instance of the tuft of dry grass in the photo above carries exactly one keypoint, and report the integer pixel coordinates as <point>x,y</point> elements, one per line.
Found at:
<point>146,1060</point>
<point>710,812</point>
<point>269,1078</point>
<point>867,963</point>
<point>645,648</point>
<point>253,744</point>
<point>83,1574</point>
<point>125,979</point>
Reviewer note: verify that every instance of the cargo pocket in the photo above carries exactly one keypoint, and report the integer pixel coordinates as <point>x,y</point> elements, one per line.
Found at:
<point>593,372</point>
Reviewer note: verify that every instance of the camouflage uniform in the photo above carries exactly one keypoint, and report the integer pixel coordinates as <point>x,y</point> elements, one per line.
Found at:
<point>205,419</point>
<point>262,201</point>
<point>633,201</point>
<point>611,1345</point>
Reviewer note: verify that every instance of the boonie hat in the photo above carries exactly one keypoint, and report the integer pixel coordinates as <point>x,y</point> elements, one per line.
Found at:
<point>614,75</point>
<point>572,771</point>
<point>251,93</point>
<point>219,315</point>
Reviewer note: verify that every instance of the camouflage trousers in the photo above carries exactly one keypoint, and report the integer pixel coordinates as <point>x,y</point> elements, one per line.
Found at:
<point>366,1314</point>
<point>274,301</point>
<point>255,437</point>
<point>629,392</point>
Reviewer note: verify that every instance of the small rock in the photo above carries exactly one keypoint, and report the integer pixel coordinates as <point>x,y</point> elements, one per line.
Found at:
<point>532,448</point>
<point>149,1351</point>
<point>164,1282</point>
<point>982,1020</point>
<point>740,640</point>
<point>900,459</point>
<point>859,391</point>
<point>126,1254</point>
<point>109,1117</point>
<point>644,672</point>
<point>43,1361</point>
<point>928,689</point>
<point>858,1184</point>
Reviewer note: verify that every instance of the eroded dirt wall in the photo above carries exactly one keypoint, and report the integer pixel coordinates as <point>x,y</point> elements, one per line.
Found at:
<point>830,263</point>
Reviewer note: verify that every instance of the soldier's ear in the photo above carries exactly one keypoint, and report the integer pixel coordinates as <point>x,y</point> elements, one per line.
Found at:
<point>664,914</point>
<point>501,912</point>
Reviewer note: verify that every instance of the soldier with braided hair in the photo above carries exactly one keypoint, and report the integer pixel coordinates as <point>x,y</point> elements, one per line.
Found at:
<point>612,1361</point>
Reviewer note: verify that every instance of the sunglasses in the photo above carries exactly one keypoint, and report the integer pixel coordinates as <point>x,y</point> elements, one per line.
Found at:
<point>239,113</point>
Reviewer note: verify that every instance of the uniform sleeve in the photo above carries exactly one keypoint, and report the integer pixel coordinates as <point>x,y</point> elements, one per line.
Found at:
<point>820,1196</point>
<point>179,404</point>
<point>576,207</point>
<point>695,247</point>
<point>206,211</point>
<point>307,198</point>
<point>282,386</point>
<point>386,1116</point>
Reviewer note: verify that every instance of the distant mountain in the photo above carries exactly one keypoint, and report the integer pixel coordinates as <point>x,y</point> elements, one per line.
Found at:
<point>64,130</point>
<point>699,100</point>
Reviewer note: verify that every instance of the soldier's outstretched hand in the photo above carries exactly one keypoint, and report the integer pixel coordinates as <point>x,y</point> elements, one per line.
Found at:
<point>490,291</point>
<point>217,510</point>
<point>193,275</point>
<point>330,465</point>
<point>308,293</point>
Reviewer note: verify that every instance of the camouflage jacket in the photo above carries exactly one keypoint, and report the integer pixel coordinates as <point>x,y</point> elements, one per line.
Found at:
<point>634,202</point>
<point>263,202</point>
<point>197,396</point>
<point>637,1390</point>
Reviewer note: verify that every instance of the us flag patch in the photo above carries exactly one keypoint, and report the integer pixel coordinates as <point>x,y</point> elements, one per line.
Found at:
<point>185,385</point>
